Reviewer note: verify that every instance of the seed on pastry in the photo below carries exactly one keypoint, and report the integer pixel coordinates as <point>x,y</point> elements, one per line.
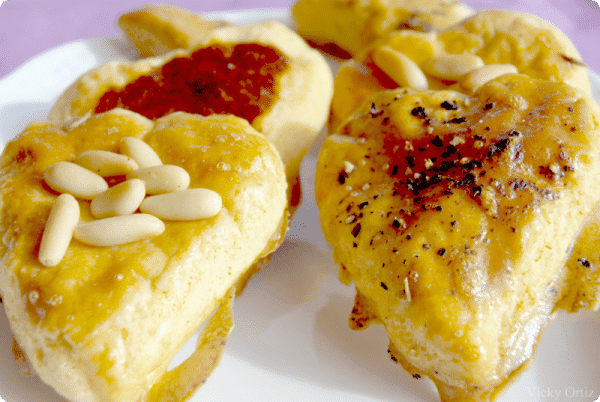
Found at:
<point>400,68</point>
<point>64,217</point>
<point>476,78</point>
<point>67,177</point>
<point>452,67</point>
<point>140,152</point>
<point>162,179</point>
<point>122,199</point>
<point>190,204</point>
<point>106,163</point>
<point>118,230</point>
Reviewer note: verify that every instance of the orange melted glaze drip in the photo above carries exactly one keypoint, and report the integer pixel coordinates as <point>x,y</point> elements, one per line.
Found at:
<point>237,80</point>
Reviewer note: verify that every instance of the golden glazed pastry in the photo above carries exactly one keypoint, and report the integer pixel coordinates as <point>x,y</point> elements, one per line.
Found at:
<point>264,73</point>
<point>355,24</point>
<point>159,28</point>
<point>454,215</point>
<point>517,41</point>
<point>105,322</point>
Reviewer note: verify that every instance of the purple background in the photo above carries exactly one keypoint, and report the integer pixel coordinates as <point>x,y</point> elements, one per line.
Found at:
<point>30,27</point>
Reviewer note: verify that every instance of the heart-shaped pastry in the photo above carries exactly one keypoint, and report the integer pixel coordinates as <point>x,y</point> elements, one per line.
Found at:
<point>492,42</point>
<point>454,214</point>
<point>104,323</point>
<point>264,73</point>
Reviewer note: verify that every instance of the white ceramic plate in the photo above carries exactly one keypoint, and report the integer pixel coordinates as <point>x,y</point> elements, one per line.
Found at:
<point>291,340</point>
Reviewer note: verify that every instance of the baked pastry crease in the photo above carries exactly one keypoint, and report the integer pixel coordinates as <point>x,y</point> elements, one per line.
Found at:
<point>454,215</point>
<point>104,324</point>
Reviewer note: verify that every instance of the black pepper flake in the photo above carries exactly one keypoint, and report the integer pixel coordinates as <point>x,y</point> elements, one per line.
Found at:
<point>419,111</point>
<point>441,252</point>
<point>450,149</point>
<point>514,133</point>
<point>476,191</point>
<point>449,106</point>
<point>374,111</point>
<point>437,141</point>
<point>356,230</point>
<point>411,161</point>
<point>342,177</point>
<point>416,375</point>
<point>384,286</point>
<point>362,205</point>
<point>454,223</point>
<point>488,106</point>
<point>354,245</point>
<point>394,170</point>
<point>499,147</point>
<point>438,208</point>
<point>473,165</point>
<point>396,223</point>
<point>386,120</point>
<point>349,207</point>
<point>584,262</point>
<point>408,237</point>
<point>571,109</point>
<point>458,120</point>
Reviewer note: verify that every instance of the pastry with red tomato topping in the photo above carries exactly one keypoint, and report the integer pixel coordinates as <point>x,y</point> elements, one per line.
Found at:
<point>454,214</point>
<point>264,73</point>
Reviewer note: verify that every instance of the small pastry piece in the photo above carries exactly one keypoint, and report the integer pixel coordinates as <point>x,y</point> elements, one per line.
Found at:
<point>264,73</point>
<point>353,25</point>
<point>159,28</point>
<point>457,219</point>
<point>507,39</point>
<point>105,322</point>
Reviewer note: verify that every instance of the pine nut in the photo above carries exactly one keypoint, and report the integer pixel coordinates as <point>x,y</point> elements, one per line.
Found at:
<point>122,199</point>
<point>452,67</point>
<point>191,204</point>
<point>106,163</point>
<point>64,217</point>
<point>118,230</point>
<point>400,68</point>
<point>139,151</point>
<point>67,177</point>
<point>162,179</point>
<point>476,78</point>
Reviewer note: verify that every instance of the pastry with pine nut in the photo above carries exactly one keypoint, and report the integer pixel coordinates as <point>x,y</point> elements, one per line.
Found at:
<point>454,214</point>
<point>264,73</point>
<point>461,57</point>
<point>353,25</point>
<point>101,291</point>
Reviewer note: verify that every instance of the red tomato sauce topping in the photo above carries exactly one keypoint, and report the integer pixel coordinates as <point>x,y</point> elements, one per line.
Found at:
<point>239,80</point>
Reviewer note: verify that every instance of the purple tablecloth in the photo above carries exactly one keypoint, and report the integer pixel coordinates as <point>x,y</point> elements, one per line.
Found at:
<point>30,27</point>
